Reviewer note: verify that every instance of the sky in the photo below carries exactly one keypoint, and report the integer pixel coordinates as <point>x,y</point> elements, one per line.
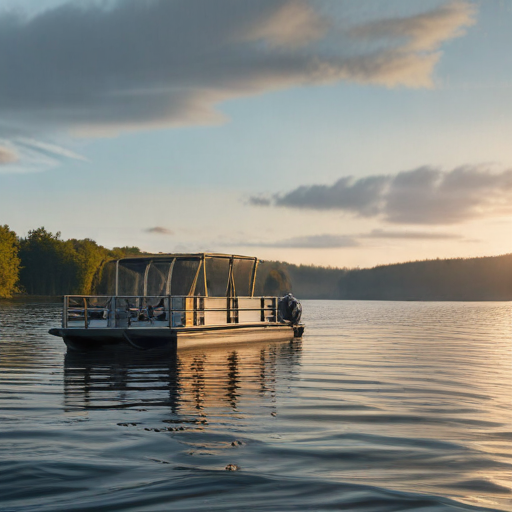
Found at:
<point>326,132</point>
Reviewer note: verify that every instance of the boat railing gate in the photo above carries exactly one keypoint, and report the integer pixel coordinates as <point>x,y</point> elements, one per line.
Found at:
<point>99,311</point>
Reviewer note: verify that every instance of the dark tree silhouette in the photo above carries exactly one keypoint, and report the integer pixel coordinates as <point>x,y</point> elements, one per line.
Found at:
<point>9,261</point>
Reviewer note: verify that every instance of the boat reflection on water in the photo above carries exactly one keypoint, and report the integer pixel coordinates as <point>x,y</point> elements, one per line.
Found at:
<point>184,382</point>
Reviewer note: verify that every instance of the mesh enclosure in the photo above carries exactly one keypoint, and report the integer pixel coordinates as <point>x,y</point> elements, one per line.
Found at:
<point>217,274</point>
<point>131,277</point>
<point>158,274</point>
<point>177,275</point>
<point>200,281</point>
<point>183,276</point>
<point>242,275</point>
<point>107,284</point>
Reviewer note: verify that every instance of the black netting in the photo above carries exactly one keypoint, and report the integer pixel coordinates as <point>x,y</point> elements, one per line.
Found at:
<point>184,272</point>
<point>131,277</point>
<point>158,274</point>
<point>217,274</point>
<point>242,274</point>
<point>183,275</point>
<point>107,284</point>
<point>200,290</point>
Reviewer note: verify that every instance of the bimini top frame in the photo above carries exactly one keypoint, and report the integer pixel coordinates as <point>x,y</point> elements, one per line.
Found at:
<point>204,274</point>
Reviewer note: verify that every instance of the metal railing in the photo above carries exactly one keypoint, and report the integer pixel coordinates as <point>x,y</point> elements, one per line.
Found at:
<point>106,312</point>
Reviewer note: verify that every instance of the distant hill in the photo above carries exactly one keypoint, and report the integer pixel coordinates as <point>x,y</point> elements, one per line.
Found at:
<point>458,279</point>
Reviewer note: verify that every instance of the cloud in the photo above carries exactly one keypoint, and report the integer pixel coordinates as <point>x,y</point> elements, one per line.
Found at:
<point>292,24</point>
<point>361,196</point>
<point>103,67</point>
<point>424,31</point>
<point>410,235</point>
<point>21,154</point>
<point>425,195</point>
<point>430,196</point>
<point>159,230</point>
<point>50,150</point>
<point>260,201</point>
<point>308,242</point>
<point>330,241</point>
<point>7,155</point>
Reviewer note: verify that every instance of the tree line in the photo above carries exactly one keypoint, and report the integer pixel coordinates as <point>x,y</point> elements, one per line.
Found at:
<point>44,264</point>
<point>456,279</point>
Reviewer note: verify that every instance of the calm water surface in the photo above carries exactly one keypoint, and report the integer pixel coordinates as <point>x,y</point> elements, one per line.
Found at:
<point>383,406</point>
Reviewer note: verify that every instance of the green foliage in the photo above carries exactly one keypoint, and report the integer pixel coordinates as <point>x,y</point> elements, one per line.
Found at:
<point>9,261</point>
<point>126,251</point>
<point>52,266</point>
<point>89,258</point>
<point>47,263</point>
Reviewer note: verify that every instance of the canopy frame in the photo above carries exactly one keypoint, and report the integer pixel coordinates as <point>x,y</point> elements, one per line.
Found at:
<point>201,257</point>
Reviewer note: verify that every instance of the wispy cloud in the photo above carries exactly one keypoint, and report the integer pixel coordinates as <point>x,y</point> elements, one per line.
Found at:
<point>410,235</point>
<point>422,32</point>
<point>50,150</point>
<point>21,155</point>
<point>307,242</point>
<point>292,24</point>
<point>7,155</point>
<point>335,241</point>
<point>260,201</point>
<point>159,230</point>
<point>128,65</point>
<point>425,195</point>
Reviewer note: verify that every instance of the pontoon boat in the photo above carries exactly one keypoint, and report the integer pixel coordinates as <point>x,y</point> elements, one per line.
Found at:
<point>184,299</point>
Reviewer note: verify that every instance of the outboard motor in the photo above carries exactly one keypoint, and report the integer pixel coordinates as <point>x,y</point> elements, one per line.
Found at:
<point>290,309</point>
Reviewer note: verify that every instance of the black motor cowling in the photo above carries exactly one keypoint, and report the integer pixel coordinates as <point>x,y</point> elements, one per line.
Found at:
<point>290,309</point>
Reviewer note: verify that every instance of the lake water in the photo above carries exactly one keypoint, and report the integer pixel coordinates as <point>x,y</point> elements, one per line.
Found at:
<point>383,406</point>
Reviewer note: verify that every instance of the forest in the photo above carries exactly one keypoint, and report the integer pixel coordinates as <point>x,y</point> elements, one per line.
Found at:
<point>457,279</point>
<point>44,264</point>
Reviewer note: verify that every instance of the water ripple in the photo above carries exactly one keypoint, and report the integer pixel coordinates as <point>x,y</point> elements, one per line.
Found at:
<point>383,406</point>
